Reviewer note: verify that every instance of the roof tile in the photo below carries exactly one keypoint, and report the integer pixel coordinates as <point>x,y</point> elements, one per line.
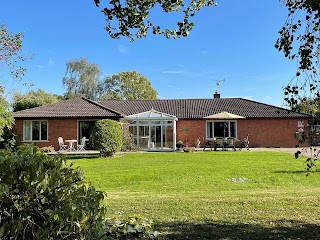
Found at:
<point>181,108</point>
<point>77,107</point>
<point>199,108</point>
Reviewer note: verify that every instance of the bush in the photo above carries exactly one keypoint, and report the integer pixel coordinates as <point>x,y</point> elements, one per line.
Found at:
<point>43,198</point>
<point>48,149</point>
<point>130,228</point>
<point>128,139</point>
<point>107,137</point>
<point>179,144</point>
<point>9,140</point>
<point>188,149</point>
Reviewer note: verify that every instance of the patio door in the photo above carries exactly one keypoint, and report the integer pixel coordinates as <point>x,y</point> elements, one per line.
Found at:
<point>156,141</point>
<point>85,130</point>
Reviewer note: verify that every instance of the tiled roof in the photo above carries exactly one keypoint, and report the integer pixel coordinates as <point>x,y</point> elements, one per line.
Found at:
<point>199,108</point>
<point>78,107</point>
<point>181,108</point>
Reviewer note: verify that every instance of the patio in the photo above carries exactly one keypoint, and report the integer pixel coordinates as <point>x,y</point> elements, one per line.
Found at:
<point>77,153</point>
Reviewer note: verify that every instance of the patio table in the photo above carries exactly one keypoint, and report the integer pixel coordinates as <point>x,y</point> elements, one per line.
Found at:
<point>71,145</point>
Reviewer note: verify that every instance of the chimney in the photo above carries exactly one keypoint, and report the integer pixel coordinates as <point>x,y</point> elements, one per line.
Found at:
<point>216,95</point>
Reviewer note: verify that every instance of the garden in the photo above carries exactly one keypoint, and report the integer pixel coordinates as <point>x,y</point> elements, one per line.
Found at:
<point>211,195</point>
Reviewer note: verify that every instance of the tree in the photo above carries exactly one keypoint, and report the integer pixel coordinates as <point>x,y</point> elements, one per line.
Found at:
<point>82,79</point>
<point>129,86</point>
<point>10,59</point>
<point>300,41</point>
<point>312,107</point>
<point>33,99</point>
<point>131,18</point>
<point>6,119</point>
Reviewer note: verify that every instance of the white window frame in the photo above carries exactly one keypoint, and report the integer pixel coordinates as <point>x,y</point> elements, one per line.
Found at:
<point>229,130</point>
<point>30,133</point>
<point>150,123</point>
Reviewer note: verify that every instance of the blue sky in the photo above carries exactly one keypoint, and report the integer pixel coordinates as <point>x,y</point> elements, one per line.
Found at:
<point>233,41</point>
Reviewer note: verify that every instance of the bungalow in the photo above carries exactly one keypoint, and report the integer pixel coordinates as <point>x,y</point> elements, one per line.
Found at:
<point>159,124</point>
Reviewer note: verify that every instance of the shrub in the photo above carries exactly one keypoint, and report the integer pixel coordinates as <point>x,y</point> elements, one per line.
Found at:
<point>107,137</point>
<point>48,149</point>
<point>43,198</point>
<point>128,139</point>
<point>188,149</point>
<point>130,228</point>
<point>9,140</point>
<point>179,144</point>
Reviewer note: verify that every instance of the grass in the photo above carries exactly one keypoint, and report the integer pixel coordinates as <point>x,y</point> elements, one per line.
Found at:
<point>212,195</point>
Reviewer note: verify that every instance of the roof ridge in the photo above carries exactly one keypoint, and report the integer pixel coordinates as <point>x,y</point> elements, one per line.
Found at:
<point>102,106</point>
<point>266,104</point>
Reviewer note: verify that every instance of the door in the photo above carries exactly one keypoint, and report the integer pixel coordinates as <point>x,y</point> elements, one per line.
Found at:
<point>85,130</point>
<point>156,141</point>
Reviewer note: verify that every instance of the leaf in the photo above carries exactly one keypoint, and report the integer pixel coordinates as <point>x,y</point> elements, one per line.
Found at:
<point>3,229</point>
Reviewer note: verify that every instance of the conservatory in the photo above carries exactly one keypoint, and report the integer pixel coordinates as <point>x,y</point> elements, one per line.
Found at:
<point>153,130</point>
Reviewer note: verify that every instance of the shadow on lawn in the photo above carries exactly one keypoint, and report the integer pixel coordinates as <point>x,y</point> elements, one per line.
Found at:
<point>282,229</point>
<point>298,172</point>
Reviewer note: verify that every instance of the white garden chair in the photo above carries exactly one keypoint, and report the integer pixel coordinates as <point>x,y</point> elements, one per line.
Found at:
<point>81,146</point>
<point>63,147</point>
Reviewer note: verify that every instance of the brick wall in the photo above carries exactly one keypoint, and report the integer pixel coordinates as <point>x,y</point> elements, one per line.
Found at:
<point>262,132</point>
<point>66,128</point>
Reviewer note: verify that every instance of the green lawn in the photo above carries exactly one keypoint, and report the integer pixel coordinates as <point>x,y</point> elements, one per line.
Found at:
<point>212,195</point>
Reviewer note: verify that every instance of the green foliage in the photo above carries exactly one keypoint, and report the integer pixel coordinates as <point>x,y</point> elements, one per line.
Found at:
<point>128,139</point>
<point>299,40</point>
<point>48,149</point>
<point>133,17</point>
<point>107,137</point>
<point>9,140</point>
<point>311,160</point>
<point>33,99</point>
<point>312,107</point>
<point>129,86</point>
<point>6,119</point>
<point>130,228</point>
<point>43,198</point>
<point>10,49</point>
<point>82,79</point>
<point>11,59</point>
<point>179,144</point>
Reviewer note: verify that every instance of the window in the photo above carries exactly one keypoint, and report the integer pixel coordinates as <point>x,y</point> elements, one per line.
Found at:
<point>35,131</point>
<point>221,129</point>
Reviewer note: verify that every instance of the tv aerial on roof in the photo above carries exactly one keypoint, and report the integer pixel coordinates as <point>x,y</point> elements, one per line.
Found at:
<point>218,83</point>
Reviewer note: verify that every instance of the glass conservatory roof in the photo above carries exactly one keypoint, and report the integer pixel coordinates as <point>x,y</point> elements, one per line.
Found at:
<point>151,115</point>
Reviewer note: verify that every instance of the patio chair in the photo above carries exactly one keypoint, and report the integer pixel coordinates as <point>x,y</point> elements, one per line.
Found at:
<point>230,143</point>
<point>245,143</point>
<point>219,143</point>
<point>81,146</point>
<point>62,146</point>
<point>208,143</point>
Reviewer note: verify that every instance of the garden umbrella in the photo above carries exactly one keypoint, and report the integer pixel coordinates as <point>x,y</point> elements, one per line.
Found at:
<point>224,115</point>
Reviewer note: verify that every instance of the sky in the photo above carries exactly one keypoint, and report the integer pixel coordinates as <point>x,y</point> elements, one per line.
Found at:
<point>232,43</point>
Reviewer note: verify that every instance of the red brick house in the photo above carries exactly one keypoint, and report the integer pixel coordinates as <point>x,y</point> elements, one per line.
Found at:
<point>159,124</point>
